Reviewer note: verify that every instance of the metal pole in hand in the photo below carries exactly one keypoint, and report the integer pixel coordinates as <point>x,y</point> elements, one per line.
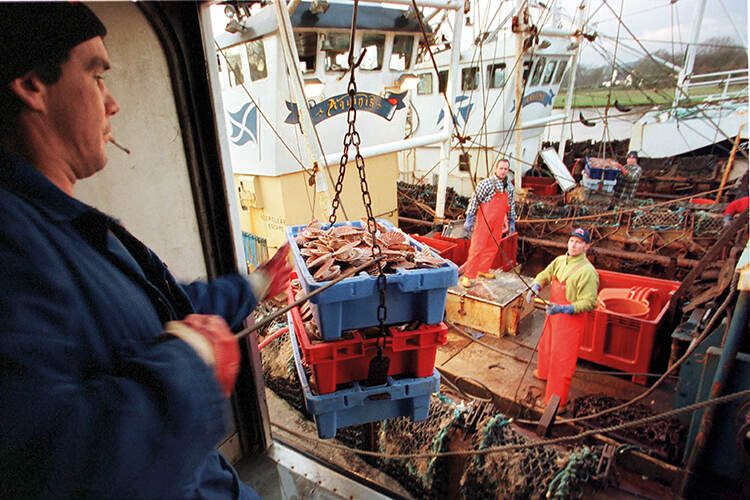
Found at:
<point>351,272</point>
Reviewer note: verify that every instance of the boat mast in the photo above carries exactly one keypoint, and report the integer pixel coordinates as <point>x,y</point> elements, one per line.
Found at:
<point>291,57</point>
<point>687,68</point>
<point>519,27</point>
<point>445,146</point>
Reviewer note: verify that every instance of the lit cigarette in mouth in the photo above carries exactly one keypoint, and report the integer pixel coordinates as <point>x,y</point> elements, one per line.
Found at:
<point>113,141</point>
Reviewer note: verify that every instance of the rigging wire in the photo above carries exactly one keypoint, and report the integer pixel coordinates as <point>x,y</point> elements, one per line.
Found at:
<point>605,133</point>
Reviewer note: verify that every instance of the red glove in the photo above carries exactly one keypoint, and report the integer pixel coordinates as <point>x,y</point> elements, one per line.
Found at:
<point>214,342</point>
<point>275,274</point>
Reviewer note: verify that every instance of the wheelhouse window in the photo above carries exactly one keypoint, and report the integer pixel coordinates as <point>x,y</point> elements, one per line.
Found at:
<point>549,71</point>
<point>336,48</point>
<point>496,75</point>
<point>307,45</point>
<point>442,81</point>
<point>538,70</point>
<point>470,78</point>
<point>424,87</point>
<point>234,58</point>
<point>560,71</point>
<point>256,59</point>
<point>526,70</point>
<point>375,45</point>
<point>401,54</point>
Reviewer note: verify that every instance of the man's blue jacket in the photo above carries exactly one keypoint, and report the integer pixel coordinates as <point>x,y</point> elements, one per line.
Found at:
<point>92,404</point>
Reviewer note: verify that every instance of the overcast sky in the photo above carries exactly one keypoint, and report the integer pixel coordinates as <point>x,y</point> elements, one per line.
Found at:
<point>657,23</point>
<point>654,21</point>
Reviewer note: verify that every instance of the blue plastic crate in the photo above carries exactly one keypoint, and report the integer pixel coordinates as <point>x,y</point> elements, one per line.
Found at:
<point>416,294</point>
<point>598,184</point>
<point>359,404</point>
<point>601,173</point>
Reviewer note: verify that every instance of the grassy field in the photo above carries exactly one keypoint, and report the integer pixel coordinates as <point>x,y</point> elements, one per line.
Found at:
<point>585,98</point>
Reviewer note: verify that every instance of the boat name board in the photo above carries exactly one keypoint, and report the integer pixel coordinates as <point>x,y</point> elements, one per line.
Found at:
<point>385,107</point>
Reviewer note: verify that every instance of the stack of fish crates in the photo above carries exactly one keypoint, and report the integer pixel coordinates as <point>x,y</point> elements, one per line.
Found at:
<point>600,176</point>
<point>339,336</point>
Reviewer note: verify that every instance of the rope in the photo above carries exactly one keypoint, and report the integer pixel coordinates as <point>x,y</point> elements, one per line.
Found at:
<point>514,447</point>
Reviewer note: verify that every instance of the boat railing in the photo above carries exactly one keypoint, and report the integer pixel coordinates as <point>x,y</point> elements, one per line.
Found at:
<point>734,83</point>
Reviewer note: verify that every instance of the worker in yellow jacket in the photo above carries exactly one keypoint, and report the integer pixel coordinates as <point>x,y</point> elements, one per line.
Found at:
<point>575,284</point>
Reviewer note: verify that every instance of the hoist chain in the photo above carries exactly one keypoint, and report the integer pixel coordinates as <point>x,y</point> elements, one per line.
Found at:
<point>352,138</point>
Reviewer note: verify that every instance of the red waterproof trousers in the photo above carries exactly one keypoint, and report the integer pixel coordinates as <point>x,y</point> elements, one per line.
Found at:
<point>483,246</point>
<point>558,347</point>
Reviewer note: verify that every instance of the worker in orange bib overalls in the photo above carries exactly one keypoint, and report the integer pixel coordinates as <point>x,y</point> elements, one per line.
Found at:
<point>575,284</point>
<point>490,214</point>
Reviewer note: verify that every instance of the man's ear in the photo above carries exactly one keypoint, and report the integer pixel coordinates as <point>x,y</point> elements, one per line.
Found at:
<point>30,89</point>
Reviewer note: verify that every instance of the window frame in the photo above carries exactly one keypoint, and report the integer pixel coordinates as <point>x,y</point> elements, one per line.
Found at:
<point>326,59</point>
<point>560,72</point>
<point>407,57</point>
<point>547,77</point>
<point>492,70</point>
<point>250,67</point>
<point>380,56</point>
<point>536,75</point>
<point>423,76</point>
<point>466,71</point>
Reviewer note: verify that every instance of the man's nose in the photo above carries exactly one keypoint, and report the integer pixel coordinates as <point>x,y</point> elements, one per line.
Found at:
<point>111,105</point>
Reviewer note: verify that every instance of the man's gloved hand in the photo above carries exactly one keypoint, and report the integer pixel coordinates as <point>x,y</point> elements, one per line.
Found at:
<point>727,219</point>
<point>469,224</point>
<point>211,338</point>
<point>511,227</point>
<point>534,292</point>
<point>558,308</point>
<point>272,277</point>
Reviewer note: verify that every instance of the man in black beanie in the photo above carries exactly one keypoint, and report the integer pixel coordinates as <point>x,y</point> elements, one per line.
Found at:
<point>113,376</point>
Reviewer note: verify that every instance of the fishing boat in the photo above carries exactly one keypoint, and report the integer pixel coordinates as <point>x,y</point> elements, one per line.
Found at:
<point>271,61</point>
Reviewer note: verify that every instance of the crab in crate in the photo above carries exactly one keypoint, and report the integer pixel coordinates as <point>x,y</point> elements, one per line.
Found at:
<point>330,252</point>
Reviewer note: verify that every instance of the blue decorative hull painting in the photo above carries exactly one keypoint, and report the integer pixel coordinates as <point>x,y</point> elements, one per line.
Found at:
<point>244,125</point>
<point>463,112</point>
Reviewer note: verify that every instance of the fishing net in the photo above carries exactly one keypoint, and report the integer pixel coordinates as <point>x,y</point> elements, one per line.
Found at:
<point>423,477</point>
<point>541,210</point>
<point>659,220</point>
<point>606,219</point>
<point>279,371</point>
<point>534,472</point>
<point>665,437</point>
<point>707,224</point>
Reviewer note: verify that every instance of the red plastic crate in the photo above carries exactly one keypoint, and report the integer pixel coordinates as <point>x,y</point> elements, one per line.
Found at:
<point>543,186</point>
<point>623,342</point>
<point>444,248</point>
<point>509,244</point>
<point>461,252</point>
<point>343,361</point>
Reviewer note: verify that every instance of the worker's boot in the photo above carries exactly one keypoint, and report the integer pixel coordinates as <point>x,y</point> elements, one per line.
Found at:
<point>466,282</point>
<point>489,276</point>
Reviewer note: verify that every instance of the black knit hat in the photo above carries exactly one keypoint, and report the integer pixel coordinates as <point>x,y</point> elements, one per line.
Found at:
<point>32,32</point>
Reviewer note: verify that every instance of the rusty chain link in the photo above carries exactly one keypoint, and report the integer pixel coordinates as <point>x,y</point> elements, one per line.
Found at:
<point>352,138</point>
